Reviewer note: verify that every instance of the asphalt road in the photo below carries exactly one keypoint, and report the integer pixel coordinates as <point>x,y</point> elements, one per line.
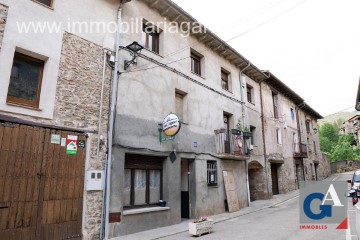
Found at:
<point>280,222</point>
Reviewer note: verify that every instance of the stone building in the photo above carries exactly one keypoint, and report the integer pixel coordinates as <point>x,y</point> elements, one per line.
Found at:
<point>291,139</point>
<point>54,95</point>
<point>203,80</point>
<point>55,111</point>
<point>352,126</point>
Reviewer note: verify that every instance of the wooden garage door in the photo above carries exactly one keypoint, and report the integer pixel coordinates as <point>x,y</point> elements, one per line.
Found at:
<point>41,187</point>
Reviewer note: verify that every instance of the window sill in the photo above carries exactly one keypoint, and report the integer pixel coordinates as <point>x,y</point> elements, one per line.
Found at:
<point>227,90</point>
<point>23,106</point>
<point>144,210</point>
<point>157,54</point>
<point>209,186</point>
<point>197,75</point>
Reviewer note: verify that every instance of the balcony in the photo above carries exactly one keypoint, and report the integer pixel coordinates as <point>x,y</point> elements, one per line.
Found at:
<point>232,144</point>
<point>300,150</point>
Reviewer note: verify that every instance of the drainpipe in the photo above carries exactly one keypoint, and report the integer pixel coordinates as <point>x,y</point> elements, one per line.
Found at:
<point>242,81</point>
<point>263,137</point>
<point>111,122</point>
<point>99,138</point>
<point>300,106</point>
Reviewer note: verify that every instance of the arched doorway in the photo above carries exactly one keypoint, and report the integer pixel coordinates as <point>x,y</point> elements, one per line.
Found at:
<point>257,181</point>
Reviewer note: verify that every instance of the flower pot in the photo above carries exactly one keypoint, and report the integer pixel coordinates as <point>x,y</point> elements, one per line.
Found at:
<point>162,203</point>
<point>247,134</point>
<point>202,227</point>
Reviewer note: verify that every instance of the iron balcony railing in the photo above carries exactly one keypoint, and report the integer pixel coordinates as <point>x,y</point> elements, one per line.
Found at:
<point>232,142</point>
<point>300,150</point>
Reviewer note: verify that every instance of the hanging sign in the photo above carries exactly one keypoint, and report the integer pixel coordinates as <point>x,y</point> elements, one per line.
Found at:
<point>171,125</point>
<point>169,128</point>
<point>71,145</point>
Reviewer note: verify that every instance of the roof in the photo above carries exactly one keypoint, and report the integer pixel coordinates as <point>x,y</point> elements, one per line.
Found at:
<point>278,85</point>
<point>352,118</point>
<point>357,104</point>
<point>174,13</point>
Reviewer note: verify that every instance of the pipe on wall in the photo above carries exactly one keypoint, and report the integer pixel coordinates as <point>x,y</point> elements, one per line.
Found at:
<point>242,81</point>
<point>114,86</point>
<point>264,143</point>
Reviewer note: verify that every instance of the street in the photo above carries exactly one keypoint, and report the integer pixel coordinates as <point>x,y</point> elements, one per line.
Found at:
<point>278,222</point>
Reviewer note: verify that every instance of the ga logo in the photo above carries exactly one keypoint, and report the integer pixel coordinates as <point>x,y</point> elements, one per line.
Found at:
<point>323,202</point>
<point>325,209</point>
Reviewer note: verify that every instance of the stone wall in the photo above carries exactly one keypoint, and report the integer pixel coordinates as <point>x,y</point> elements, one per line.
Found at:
<point>3,16</point>
<point>78,104</point>
<point>345,166</point>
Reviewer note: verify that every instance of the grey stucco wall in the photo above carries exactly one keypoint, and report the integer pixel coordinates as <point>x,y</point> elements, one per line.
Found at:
<point>134,135</point>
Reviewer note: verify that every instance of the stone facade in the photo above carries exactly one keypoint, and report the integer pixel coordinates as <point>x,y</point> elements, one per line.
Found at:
<point>292,143</point>
<point>3,16</point>
<point>77,105</point>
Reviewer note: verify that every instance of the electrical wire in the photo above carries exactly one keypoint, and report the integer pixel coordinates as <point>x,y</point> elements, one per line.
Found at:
<point>353,106</point>
<point>232,38</point>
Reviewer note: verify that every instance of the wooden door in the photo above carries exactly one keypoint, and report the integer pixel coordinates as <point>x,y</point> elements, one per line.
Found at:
<point>231,191</point>
<point>274,179</point>
<point>41,187</point>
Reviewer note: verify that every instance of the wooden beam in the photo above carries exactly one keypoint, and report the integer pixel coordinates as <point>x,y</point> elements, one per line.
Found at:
<point>154,3</point>
<point>164,12</point>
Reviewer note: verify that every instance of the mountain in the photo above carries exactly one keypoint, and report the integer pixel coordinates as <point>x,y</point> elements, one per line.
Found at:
<point>343,116</point>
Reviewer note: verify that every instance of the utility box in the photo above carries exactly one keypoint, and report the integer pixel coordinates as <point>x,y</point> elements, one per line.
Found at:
<point>94,180</point>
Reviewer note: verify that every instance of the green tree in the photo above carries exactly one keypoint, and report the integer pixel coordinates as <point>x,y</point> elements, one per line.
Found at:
<point>329,136</point>
<point>344,149</point>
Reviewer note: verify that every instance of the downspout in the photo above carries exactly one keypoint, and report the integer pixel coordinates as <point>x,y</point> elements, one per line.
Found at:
<point>300,106</point>
<point>242,80</point>
<point>263,137</point>
<point>114,87</point>
<point>99,138</point>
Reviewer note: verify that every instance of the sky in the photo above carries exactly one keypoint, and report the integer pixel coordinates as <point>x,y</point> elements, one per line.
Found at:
<point>313,46</point>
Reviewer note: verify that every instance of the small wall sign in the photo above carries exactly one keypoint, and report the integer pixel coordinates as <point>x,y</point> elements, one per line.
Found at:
<point>63,142</point>
<point>71,145</point>
<point>81,143</point>
<point>55,138</point>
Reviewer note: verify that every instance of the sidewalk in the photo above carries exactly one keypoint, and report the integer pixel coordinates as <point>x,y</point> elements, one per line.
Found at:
<point>255,206</point>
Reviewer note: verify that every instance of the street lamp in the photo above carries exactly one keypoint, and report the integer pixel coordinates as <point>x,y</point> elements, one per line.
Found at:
<point>134,48</point>
<point>315,130</point>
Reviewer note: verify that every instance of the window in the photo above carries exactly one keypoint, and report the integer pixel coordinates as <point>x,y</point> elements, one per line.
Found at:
<point>278,136</point>
<point>211,173</point>
<point>25,81</point>
<point>275,105</point>
<point>307,124</point>
<point>151,37</point>
<point>195,63</point>
<point>179,105</point>
<point>226,118</point>
<point>292,114</point>
<point>314,147</point>
<point>142,180</point>
<point>224,80</point>
<point>48,3</point>
<point>253,131</point>
<point>249,93</point>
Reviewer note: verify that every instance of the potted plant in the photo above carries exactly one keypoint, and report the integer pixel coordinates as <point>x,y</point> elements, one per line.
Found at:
<point>244,129</point>
<point>201,226</point>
